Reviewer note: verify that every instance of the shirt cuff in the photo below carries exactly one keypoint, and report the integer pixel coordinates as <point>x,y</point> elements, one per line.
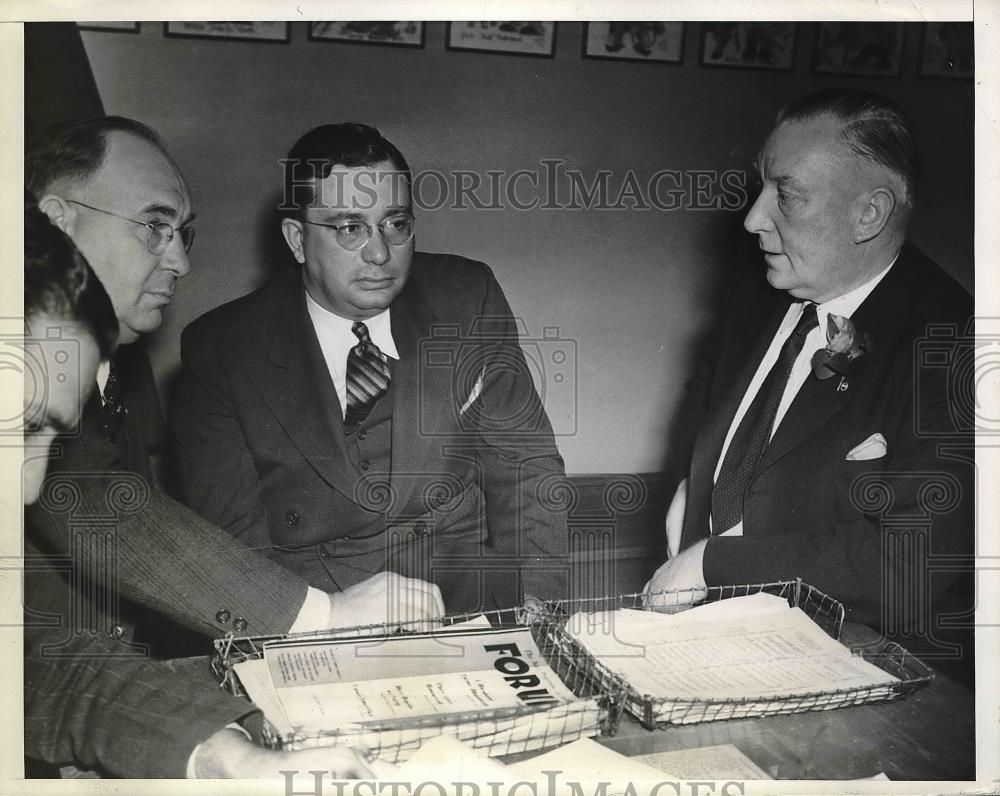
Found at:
<point>191,772</point>
<point>314,613</point>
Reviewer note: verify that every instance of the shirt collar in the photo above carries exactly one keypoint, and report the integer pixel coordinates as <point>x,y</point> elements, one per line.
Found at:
<point>847,304</point>
<point>338,327</point>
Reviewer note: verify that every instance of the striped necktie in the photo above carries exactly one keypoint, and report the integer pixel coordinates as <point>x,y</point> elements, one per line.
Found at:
<point>754,430</point>
<point>367,377</point>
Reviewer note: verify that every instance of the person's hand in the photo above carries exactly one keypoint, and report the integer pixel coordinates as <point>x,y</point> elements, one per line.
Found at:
<point>682,572</point>
<point>534,606</point>
<point>386,598</point>
<point>229,754</point>
<point>675,518</point>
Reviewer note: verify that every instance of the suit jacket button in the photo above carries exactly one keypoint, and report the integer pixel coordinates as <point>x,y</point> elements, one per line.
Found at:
<point>323,552</point>
<point>362,434</point>
<point>239,624</point>
<point>222,617</point>
<point>115,632</point>
<point>365,464</point>
<point>292,518</point>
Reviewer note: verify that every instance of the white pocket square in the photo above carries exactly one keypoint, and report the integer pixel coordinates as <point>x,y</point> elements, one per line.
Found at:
<point>872,448</point>
<point>477,388</point>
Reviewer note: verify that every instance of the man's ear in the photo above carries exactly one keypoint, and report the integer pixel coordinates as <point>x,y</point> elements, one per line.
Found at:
<point>60,212</point>
<point>292,230</point>
<point>875,214</point>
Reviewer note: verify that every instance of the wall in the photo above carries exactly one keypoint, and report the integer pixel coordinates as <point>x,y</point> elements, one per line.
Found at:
<point>629,292</point>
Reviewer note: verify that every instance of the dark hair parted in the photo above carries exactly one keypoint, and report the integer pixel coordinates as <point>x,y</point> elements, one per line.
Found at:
<point>314,155</point>
<point>76,149</point>
<point>874,128</point>
<point>58,281</point>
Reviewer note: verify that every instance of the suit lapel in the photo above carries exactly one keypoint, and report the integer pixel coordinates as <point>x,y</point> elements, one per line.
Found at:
<point>294,381</point>
<point>882,315</point>
<point>736,372</point>
<point>814,404</point>
<point>421,396</point>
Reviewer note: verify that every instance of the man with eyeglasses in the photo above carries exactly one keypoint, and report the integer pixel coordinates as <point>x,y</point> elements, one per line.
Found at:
<point>111,187</point>
<point>86,703</point>
<point>373,409</point>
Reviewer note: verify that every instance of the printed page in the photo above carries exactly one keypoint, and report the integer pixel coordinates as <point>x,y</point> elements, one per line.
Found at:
<point>768,654</point>
<point>256,681</point>
<point>341,682</point>
<point>739,608</point>
<point>334,660</point>
<point>315,707</point>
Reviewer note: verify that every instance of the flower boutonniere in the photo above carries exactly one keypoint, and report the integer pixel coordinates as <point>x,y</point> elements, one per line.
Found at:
<point>844,344</point>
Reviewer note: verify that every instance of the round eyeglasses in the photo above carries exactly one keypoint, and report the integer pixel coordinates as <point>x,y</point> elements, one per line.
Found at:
<point>160,233</point>
<point>355,234</point>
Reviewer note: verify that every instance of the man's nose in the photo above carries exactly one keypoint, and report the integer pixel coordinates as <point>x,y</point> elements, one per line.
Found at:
<point>175,258</point>
<point>376,251</point>
<point>758,220</point>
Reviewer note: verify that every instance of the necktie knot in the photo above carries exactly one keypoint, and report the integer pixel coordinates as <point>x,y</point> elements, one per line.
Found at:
<point>361,332</point>
<point>367,377</point>
<point>808,320</point>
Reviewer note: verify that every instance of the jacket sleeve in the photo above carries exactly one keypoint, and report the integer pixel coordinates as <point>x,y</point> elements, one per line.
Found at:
<point>161,555</point>
<point>524,478</point>
<point>129,718</point>
<point>208,441</point>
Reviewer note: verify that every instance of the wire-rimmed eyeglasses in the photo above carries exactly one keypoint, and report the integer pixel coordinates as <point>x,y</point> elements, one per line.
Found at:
<point>160,232</point>
<point>355,234</point>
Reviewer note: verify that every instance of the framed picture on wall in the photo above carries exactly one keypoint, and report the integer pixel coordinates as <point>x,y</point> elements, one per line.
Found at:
<point>874,49</point>
<point>523,38</point>
<point>947,50</point>
<point>249,31</point>
<point>407,34</point>
<point>635,41</point>
<point>120,27</point>
<point>753,45</point>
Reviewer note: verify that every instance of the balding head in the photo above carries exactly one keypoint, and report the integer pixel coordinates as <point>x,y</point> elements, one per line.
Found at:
<point>111,187</point>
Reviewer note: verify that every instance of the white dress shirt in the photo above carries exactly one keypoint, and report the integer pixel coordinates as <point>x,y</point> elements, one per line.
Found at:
<point>336,340</point>
<point>844,306</point>
<point>103,371</point>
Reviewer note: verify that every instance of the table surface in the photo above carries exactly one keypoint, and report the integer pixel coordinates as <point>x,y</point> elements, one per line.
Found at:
<point>929,735</point>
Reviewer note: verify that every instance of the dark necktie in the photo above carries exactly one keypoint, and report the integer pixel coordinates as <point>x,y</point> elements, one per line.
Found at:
<point>112,404</point>
<point>367,377</point>
<point>754,431</point>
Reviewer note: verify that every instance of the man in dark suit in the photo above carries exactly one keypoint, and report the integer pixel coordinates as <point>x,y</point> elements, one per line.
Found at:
<point>373,410</point>
<point>109,184</point>
<point>829,449</point>
<point>85,701</point>
<point>112,558</point>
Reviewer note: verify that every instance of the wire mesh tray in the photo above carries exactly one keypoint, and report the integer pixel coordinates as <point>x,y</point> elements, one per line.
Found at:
<point>497,731</point>
<point>657,712</point>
